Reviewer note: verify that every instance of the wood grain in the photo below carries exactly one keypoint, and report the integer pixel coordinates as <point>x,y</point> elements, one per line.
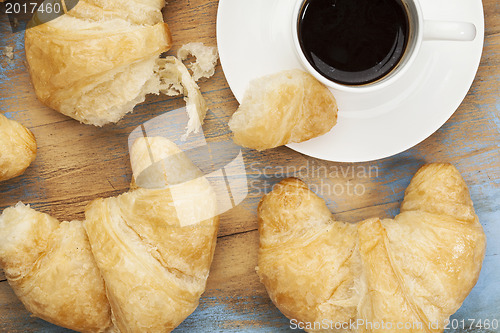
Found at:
<point>78,163</point>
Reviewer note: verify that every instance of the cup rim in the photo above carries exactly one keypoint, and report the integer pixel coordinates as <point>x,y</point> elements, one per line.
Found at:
<point>368,87</point>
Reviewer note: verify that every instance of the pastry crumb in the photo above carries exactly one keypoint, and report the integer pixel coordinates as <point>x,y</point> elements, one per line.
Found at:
<point>206,59</point>
<point>8,51</point>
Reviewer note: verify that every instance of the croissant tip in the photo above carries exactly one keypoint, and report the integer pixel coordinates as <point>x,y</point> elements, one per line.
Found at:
<point>282,186</point>
<point>292,181</point>
<point>437,166</point>
<point>437,170</point>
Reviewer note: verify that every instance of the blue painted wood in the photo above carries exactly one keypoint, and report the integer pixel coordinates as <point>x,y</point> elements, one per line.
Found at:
<point>78,163</point>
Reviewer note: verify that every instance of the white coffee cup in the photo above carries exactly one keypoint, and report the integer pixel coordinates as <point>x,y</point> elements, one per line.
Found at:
<point>420,31</point>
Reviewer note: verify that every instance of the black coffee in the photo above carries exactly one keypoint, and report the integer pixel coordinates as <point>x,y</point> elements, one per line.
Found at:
<point>353,42</point>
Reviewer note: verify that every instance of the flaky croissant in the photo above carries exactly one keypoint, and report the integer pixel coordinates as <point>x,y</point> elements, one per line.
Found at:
<point>97,61</point>
<point>17,148</point>
<point>138,263</point>
<point>286,107</point>
<point>409,273</point>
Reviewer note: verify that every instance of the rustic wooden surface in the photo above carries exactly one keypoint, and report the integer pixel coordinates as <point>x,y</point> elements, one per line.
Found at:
<point>78,163</point>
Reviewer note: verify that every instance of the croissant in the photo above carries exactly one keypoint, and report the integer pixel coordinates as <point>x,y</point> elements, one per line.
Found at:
<point>138,263</point>
<point>406,274</point>
<point>282,108</point>
<point>97,61</point>
<point>17,148</point>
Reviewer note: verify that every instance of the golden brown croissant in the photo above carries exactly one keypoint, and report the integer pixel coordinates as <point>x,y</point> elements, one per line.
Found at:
<point>138,263</point>
<point>17,148</point>
<point>409,274</point>
<point>97,61</point>
<point>286,107</point>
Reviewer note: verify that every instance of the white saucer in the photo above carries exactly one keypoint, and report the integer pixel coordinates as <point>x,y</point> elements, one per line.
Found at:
<point>254,39</point>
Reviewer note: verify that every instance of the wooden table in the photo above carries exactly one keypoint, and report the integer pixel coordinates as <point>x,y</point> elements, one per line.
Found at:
<point>78,163</point>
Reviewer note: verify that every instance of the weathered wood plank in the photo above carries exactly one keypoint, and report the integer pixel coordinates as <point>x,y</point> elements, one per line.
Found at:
<point>78,163</point>
<point>491,17</point>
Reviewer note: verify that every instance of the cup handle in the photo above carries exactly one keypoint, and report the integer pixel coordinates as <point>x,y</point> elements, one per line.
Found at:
<point>449,30</point>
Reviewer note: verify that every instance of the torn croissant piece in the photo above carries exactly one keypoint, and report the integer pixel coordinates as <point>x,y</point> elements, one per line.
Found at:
<point>50,267</point>
<point>99,60</point>
<point>206,59</point>
<point>175,79</point>
<point>138,263</point>
<point>17,148</point>
<point>415,269</point>
<point>282,108</point>
<point>96,62</point>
